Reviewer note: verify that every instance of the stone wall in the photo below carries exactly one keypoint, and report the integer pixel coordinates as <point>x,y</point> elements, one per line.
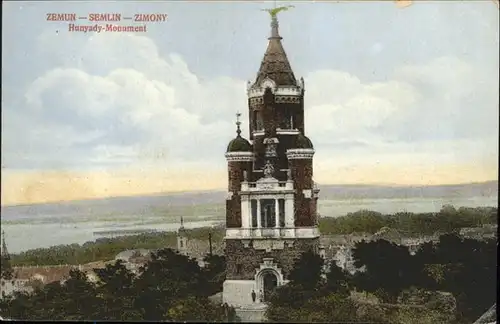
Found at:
<point>286,142</point>
<point>268,114</point>
<point>305,208</point>
<point>242,261</point>
<point>233,211</point>
<point>259,150</point>
<point>233,204</point>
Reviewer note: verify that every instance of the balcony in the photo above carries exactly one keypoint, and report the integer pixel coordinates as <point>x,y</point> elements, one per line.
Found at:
<point>281,184</point>
<point>269,184</point>
<point>278,232</point>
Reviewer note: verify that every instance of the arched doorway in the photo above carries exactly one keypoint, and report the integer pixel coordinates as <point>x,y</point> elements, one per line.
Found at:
<point>270,282</point>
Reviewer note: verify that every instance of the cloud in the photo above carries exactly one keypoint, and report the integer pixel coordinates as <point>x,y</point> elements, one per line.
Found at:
<point>446,102</point>
<point>156,109</point>
<point>114,100</point>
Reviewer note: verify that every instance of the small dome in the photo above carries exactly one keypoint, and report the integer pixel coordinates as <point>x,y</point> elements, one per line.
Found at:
<point>239,144</point>
<point>303,142</point>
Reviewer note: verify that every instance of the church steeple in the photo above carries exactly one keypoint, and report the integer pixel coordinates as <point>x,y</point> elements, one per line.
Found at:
<point>5,252</point>
<point>182,238</point>
<point>275,64</point>
<point>6,267</point>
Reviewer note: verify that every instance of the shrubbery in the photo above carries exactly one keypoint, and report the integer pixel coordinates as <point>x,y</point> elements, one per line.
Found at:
<point>407,291</point>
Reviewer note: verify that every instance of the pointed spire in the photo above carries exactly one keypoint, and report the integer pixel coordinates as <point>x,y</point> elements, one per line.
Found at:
<point>6,268</point>
<point>5,252</point>
<point>275,29</point>
<point>274,21</point>
<point>275,64</point>
<point>182,222</point>
<point>238,123</point>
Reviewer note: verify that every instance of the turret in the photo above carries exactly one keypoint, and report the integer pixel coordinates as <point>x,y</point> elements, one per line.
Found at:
<point>239,158</point>
<point>300,163</point>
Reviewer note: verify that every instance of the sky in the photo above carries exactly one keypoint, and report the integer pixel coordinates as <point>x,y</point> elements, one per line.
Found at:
<point>393,96</point>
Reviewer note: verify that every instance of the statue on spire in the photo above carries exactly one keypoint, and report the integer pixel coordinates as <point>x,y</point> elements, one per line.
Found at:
<point>274,12</point>
<point>274,20</point>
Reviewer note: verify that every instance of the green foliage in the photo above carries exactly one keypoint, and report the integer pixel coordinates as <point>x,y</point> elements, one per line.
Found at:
<point>464,267</point>
<point>414,315</point>
<point>182,310</point>
<point>171,287</point>
<point>107,248</point>
<point>337,280</point>
<point>306,271</point>
<point>325,309</point>
<point>215,272</point>
<point>447,220</point>
<point>310,297</point>
<point>360,221</point>
<point>388,265</point>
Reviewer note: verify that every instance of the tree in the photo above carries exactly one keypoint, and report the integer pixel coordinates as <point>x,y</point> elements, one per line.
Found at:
<point>306,298</point>
<point>215,272</point>
<point>169,287</point>
<point>464,267</point>
<point>307,270</point>
<point>79,296</point>
<point>388,265</point>
<point>169,276</point>
<point>117,293</point>
<point>337,280</point>
<point>197,309</point>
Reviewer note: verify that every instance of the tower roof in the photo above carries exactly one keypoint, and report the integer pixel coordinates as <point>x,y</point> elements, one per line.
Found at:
<point>275,64</point>
<point>303,142</point>
<point>239,144</point>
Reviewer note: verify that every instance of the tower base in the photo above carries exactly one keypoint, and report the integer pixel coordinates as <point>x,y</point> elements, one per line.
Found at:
<point>252,314</point>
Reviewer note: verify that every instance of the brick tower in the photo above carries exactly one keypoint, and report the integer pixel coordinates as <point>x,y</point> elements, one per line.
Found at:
<point>271,213</point>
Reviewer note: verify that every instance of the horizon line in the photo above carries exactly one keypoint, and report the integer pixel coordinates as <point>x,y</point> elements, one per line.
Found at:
<point>160,193</point>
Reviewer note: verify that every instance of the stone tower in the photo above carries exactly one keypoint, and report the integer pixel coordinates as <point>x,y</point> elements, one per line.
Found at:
<point>271,216</point>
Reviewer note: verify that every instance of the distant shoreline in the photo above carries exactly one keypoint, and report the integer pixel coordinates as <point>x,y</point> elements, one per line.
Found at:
<point>448,219</point>
<point>44,226</point>
<point>492,184</point>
